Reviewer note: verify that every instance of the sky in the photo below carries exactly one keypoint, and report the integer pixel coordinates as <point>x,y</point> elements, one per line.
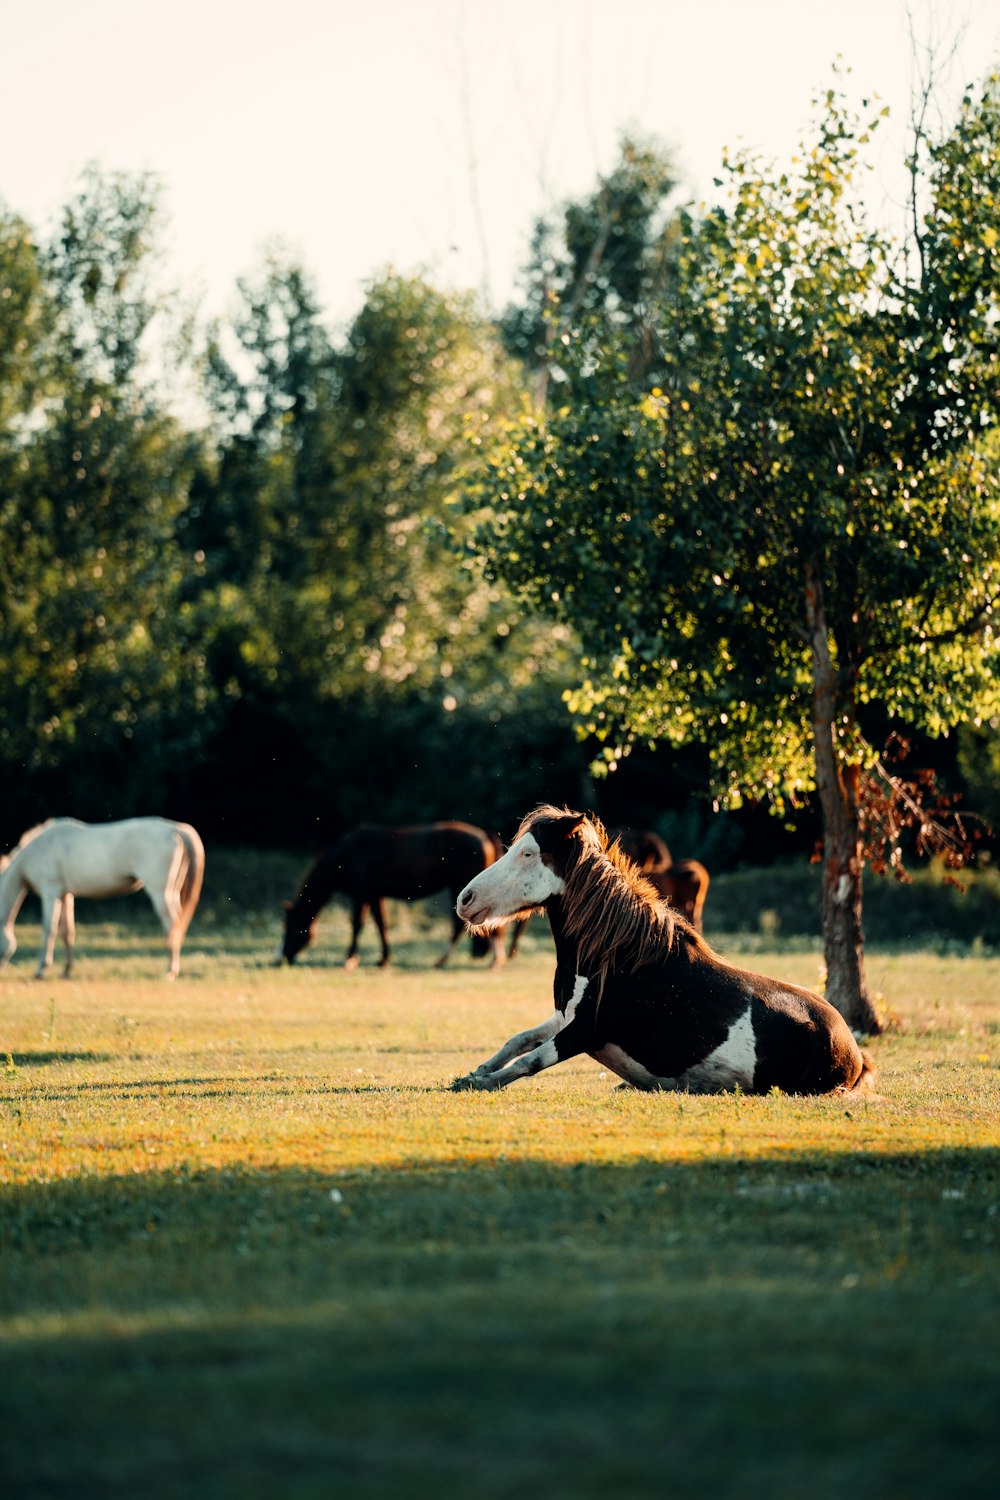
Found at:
<point>427,135</point>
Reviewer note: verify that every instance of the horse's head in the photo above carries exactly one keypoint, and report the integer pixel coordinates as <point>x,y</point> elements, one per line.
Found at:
<point>299,933</point>
<point>530,873</point>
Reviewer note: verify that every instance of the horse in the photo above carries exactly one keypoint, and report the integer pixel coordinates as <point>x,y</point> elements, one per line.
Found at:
<point>685,886</point>
<point>638,989</point>
<point>644,847</point>
<point>370,863</point>
<point>64,858</point>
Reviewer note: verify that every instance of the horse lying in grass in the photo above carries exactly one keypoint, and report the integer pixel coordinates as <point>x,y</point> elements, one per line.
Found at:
<point>370,863</point>
<point>639,989</point>
<point>64,858</point>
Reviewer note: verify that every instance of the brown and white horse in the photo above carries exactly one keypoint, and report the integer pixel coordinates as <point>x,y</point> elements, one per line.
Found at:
<point>638,988</point>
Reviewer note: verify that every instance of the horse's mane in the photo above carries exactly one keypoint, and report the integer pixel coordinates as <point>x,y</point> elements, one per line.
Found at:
<point>616,917</point>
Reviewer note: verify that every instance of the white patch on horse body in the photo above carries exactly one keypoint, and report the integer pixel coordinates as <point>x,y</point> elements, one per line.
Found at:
<point>574,1000</point>
<point>731,1063</point>
<point>518,881</point>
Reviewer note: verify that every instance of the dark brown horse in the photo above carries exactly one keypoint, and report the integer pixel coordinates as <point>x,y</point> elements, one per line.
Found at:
<point>685,886</point>
<point>638,989</point>
<point>643,846</point>
<point>371,863</point>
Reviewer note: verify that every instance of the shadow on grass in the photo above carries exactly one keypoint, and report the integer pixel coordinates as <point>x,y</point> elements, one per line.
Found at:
<point>54,1057</point>
<point>818,1326</point>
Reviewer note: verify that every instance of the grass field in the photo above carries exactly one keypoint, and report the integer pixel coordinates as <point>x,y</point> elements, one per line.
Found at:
<point>251,1245</point>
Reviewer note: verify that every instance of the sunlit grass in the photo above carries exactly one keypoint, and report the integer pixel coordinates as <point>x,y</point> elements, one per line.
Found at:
<point>253,1244</point>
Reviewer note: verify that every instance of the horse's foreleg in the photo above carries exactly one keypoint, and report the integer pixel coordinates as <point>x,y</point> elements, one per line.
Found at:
<point>518,927</point>
<point>67,929</point>
<point>9,941</point>
<point>359,910</point>
<point>52,907</point>
<point>566,1041</point>
<point>457,928</point>
<point>378,912</point>
<point>561,1036</point>
<point>524,1041</point>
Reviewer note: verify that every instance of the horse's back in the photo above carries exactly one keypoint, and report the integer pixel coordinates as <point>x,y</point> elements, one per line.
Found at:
<point>412,860</point>
<point>99,859</point>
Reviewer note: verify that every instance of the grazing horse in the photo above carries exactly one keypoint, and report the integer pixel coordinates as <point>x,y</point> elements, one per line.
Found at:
<point>685,886</point>
<point>63,858</point>
<point>370,863</point>
<point>638,989</point>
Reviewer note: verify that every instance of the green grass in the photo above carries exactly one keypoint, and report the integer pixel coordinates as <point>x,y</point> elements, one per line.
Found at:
<point>251,1245</point>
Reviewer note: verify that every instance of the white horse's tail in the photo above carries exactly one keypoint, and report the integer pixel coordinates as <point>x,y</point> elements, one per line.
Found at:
<point>194,874</point>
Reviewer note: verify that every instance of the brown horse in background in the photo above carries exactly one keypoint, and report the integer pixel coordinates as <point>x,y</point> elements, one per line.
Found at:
<point>685,886</point>
<point>371,863</point>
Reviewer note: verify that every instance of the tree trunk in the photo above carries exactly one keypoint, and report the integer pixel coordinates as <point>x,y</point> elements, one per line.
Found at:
<point>843,939</point>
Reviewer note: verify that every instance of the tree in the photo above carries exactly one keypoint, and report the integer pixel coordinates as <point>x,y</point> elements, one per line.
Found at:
<point>339,618</point>
<point>790,528</point>
<point>596,262</point>
<point>102,679</point>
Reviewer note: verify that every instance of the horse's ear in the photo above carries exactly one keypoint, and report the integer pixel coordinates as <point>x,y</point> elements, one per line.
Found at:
<point>286,905</point>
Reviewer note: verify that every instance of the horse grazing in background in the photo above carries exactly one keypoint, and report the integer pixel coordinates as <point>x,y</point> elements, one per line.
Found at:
<point>371,863</point>
<point>638,989</point>
<point>64,858</point>
<point>685,886</point>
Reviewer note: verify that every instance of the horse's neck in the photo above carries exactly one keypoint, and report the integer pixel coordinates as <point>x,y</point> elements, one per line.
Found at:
<point>320,885</point>
<point>13,887</point>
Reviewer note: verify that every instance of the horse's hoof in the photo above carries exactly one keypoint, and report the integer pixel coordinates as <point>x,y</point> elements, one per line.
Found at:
<point>350,964</point>
<point>464,1084</point>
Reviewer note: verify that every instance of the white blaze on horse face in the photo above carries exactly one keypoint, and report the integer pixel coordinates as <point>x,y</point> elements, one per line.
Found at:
<point>518,881</point>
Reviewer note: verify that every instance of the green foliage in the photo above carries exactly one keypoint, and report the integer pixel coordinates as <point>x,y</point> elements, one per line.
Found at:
<point>93,473</point>
<point>787,426</point>
<point>599,262</point>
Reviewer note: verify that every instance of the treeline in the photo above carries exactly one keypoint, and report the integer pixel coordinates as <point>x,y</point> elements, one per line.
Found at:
<point>231,591</point>
<point>239,585</point>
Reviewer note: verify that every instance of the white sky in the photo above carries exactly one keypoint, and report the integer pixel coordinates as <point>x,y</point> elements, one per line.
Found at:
<point>425,134</point>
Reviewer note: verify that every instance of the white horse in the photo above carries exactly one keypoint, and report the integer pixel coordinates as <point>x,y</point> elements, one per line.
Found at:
<point>64,858</point>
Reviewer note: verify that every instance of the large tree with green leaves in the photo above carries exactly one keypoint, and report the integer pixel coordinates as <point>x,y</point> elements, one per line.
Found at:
<point>789,529</point>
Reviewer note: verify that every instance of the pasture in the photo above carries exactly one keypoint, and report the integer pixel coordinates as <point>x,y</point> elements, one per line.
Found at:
<point>253,1245</point>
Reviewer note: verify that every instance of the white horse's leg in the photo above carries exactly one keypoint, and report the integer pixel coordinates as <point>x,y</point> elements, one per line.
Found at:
<point>167,905</point>
<point>67,928</point>
<point>51,917</point>
<point>9,940</point>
